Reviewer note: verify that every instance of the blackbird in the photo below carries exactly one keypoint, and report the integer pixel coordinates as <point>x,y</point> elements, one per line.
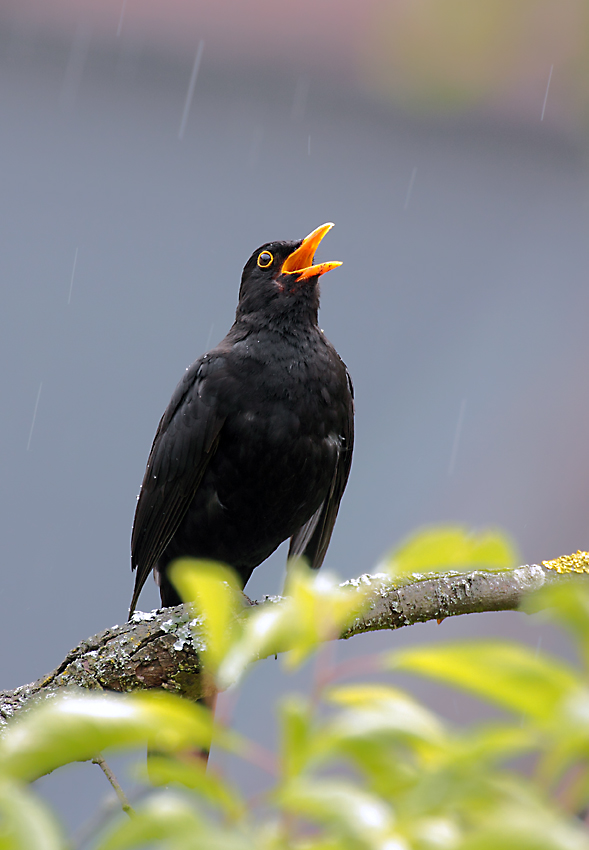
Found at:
<point>255,445</point>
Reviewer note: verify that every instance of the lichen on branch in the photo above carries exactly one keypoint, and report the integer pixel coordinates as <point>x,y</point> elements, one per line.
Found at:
<point>161,649</point>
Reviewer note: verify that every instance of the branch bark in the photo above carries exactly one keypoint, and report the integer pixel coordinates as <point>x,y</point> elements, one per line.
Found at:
<point>157,649</point>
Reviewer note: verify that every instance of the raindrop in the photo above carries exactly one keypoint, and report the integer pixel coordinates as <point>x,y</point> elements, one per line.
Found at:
<point>191,86</point>
<point>546,95</point>
<point>34,416</point>
<point>72,278</point>
<point>410,188</point>
<point>120,26</point>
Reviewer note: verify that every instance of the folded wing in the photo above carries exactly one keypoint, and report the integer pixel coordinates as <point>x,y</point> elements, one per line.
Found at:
<point>186,439</point>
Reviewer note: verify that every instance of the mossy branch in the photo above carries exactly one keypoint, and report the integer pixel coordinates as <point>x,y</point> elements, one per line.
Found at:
<point>157,650</point>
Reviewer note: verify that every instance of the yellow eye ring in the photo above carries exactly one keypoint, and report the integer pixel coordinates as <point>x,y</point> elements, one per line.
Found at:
<point>265,259</point>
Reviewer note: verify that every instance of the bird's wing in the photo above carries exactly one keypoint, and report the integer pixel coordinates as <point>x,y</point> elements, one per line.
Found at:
<point>312,538</point>
<point>184,443</point>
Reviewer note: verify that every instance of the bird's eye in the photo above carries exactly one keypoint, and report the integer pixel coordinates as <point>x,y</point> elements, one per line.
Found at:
<point>265,259</point>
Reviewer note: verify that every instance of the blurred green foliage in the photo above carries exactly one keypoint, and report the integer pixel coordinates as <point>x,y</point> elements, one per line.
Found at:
<point>360,766</point>
<point>449,56</point>
<point>450,548</point>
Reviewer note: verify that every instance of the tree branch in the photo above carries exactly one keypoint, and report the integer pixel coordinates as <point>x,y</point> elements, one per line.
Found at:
<point>447,595</point>
<point>157,650</point>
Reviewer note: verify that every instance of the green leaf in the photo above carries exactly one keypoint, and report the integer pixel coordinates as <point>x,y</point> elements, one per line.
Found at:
<point>525,827</point>
<point>195,775</point>
<point>297,736</point>
<point>172,819</point>
<point>345,810</point>
<point>320,609</point>
<point>378,727</point>
<point>448,547</point>
<point>216,596</point>
<point>435,833</point>
<point>567,739</point>
<point>164,817</point>
<point>466,776</point>
<point>78,725</point>
<point>382,712</point>
<point>503,673</point>
<point>566,602</point>
<point>486,744</point>
<point>315,609</point>
<point>25,823</point>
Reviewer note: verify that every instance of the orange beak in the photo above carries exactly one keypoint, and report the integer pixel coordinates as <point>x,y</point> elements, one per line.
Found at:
<point>300,262</point>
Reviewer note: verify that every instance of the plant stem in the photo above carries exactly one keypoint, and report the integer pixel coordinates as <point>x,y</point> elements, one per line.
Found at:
<point>125,804</point>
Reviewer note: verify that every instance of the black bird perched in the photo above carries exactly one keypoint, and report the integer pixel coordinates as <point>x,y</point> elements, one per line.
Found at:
<point>255,445</point>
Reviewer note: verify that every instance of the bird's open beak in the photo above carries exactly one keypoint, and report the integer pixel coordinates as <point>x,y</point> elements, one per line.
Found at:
<point>300,262</point>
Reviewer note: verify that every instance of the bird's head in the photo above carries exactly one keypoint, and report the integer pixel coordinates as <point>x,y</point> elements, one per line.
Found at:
<point>281,277</point>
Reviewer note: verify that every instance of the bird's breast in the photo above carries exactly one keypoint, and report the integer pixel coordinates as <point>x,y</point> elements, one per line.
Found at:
<point>284,401</point>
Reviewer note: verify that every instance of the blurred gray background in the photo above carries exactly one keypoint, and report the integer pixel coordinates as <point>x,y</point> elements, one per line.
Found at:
<point>461,306</point>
